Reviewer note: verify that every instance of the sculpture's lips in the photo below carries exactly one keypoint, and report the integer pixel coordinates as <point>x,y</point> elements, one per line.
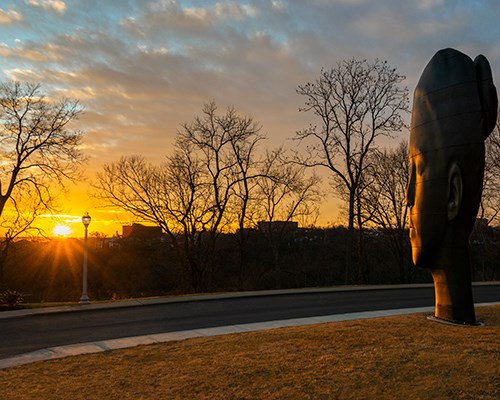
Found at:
<point>412,231</point>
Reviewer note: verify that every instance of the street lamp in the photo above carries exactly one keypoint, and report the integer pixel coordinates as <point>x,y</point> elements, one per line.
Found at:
<point>86,222</point>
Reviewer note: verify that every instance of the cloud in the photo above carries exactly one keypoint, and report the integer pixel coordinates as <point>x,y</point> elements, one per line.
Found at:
<point>58,6</point>
<point>162,61</point>
<point>9,16</point>
<point>31,51</point>
<point>159,85</point>
<point>223,10</point>
<point>428,4</point>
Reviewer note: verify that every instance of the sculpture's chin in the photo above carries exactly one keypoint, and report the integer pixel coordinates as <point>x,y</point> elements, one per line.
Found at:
<point>415,254</point>
<point>422,257</point>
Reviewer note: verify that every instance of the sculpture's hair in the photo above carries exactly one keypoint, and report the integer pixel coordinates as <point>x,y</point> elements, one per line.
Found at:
<point>455,101</point>
<point>487,94</point>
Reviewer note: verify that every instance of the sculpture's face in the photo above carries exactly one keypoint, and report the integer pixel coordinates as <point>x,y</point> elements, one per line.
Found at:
<point>427,200</point>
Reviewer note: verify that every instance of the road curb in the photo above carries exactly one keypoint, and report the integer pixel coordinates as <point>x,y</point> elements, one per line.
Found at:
<point>58,352</point>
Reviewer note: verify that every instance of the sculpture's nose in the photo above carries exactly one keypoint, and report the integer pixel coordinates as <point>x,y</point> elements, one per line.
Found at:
<point>410,191</point>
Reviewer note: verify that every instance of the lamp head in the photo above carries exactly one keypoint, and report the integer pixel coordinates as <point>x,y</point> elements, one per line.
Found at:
<point>86,219</point>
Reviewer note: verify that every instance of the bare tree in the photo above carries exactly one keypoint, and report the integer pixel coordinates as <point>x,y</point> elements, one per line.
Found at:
<point>203,189</point>
<point>285,194</point>
<point>171,195</point>
<point>383,201</point>
<point>18,220</point>
<point>484,248</point>
<point>490,201</point>
<point>38,152</point>
<point>356,102</point>
<point>226,145</point>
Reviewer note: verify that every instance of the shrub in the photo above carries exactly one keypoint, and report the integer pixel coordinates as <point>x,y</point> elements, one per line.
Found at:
<point>11,298</point>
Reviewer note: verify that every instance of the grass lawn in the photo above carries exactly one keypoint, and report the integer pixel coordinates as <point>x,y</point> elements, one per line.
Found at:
<point>404,357</point>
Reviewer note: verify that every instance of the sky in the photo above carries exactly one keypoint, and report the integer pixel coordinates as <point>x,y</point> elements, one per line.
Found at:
<point>141,68</point>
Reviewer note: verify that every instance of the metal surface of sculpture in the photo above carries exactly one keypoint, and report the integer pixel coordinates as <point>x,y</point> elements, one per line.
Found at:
<point>454,110</point>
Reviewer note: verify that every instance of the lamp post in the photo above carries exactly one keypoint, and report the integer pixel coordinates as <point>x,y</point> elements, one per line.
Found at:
<point>86,222</point>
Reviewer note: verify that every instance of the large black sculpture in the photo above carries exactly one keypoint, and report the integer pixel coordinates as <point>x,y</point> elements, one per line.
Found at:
<point>454,110</point>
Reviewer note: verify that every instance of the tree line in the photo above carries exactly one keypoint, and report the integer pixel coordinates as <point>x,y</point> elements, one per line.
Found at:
<point>50,270</point>
<point>222,179</point>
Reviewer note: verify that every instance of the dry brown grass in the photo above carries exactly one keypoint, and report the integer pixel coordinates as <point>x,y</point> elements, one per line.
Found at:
<point>404,357</point>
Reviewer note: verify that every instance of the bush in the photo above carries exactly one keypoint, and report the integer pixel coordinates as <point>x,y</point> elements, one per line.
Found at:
<point>11,298</point>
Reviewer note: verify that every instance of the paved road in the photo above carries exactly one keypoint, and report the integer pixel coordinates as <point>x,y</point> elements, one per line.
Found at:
<point>29,333</point>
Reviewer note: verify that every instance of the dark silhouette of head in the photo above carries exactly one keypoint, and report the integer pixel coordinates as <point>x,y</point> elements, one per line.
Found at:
<point>454,110</point>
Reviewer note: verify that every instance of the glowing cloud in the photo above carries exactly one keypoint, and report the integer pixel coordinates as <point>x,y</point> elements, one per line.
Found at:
<point>7,17</point>
<point>53,5</point>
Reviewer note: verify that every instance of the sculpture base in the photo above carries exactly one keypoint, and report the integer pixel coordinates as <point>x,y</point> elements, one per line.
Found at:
<point>454,323</point>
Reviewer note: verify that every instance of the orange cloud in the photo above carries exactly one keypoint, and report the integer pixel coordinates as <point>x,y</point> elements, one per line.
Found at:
<point>58,6</point>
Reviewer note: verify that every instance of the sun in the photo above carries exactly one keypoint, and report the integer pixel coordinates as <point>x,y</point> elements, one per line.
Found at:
<point>61,230</point>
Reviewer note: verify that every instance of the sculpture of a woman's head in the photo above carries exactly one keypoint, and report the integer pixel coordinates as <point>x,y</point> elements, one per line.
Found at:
<point>454,110</point>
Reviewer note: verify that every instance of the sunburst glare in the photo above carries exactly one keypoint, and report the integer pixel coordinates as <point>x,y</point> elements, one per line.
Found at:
<point>61,230</point>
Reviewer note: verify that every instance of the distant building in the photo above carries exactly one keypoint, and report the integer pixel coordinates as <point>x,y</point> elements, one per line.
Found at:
<point>140,231</point>
<point>278,226</point>
<point>111,243</point>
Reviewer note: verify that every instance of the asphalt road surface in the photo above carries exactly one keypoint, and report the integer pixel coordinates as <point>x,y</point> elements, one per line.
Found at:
<point>29,333</point>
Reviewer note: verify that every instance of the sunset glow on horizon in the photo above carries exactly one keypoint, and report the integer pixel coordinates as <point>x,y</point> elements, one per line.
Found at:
<point>106,222</point>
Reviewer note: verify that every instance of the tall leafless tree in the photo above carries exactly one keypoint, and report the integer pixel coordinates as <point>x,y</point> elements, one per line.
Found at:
<point>38,152</point>
<point>356,102</point>
<point>226,145</point>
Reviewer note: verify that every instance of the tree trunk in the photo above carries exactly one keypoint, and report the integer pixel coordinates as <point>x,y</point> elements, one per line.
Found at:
<point>277,266</point>
<point>350,240</point>
<point>363,272</point>
<point>3,259</point>
<point>242,259</point>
